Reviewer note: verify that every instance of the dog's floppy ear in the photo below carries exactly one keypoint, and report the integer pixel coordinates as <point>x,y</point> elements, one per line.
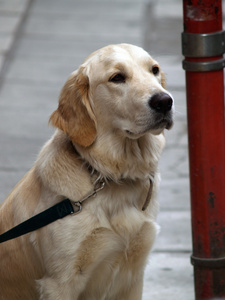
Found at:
<point>74,114</point>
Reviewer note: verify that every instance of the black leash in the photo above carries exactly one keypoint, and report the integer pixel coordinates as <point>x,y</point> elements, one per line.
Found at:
<point>40,220</point>
<point>50,215</point>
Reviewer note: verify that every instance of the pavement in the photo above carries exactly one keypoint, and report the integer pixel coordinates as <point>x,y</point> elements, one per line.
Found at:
<point>41,43</point>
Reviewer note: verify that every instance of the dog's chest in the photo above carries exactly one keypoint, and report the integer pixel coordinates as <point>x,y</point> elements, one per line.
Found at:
<point>120,232</point>
<point>113,260</point>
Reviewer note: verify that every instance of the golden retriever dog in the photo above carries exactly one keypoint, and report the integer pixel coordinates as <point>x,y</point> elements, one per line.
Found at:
<point>103,157</point>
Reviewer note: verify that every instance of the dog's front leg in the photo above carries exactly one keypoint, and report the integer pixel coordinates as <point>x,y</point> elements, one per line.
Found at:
<point>134,292</point>
<point>51,289</point>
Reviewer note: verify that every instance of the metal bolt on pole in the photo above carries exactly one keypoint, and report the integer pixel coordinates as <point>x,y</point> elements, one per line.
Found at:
<point>203,45</point>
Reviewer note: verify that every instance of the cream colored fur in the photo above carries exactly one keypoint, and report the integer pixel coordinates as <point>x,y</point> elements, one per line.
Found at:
<point>99,254</point>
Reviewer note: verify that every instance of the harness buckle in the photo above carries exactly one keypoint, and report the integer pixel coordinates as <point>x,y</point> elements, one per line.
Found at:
<point>98,186</point>
<point>77,205</point>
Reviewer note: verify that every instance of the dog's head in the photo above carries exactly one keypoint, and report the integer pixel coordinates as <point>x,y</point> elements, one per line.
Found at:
<point>119,88</point>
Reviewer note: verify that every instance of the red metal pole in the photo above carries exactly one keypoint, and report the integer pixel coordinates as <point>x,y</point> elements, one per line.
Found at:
<point>206,133</point>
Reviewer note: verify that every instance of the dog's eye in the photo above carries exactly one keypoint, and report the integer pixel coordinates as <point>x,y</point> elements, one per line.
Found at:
<point>118,78</point>
<point>155,70</point>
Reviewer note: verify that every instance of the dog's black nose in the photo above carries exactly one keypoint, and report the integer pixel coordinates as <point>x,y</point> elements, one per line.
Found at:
<point>161,102</point>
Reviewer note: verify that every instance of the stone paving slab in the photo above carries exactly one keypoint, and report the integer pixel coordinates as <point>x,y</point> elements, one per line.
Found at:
<point>13,6</point>
<point>178,134</point>
<point>5,42</point>
<point>174,194</point>
<point>55,47</point>
<point>49,72</point>
<point>172,67</point>
<point>9,24</point>
<point>59,27</point>
<point>175,231</point>
<point>174,163</point>
<point>169,277</point>
<point>116,7</point>
<point>163,26</point>
<point>169,9</point>
<point>11,14</point>
<point>25,111</point>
